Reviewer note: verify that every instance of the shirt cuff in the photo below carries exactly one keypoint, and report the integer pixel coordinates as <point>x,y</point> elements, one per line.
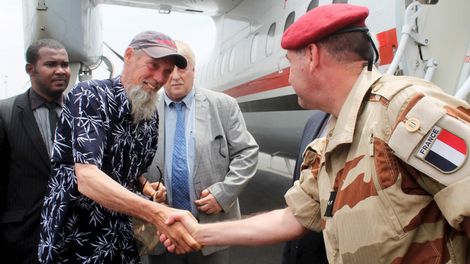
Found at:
<point>304,207</point>
<point>454,202</point>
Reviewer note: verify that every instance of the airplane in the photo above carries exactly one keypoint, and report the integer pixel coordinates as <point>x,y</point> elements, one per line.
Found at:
<point>425,38</point>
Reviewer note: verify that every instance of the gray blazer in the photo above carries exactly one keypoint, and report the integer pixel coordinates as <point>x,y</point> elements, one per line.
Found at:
<point>226,154</point>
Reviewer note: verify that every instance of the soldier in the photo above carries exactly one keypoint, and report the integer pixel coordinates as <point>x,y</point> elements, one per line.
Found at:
<point>389,182</point>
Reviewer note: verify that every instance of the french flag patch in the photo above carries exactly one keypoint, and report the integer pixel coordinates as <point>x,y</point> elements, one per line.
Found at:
<point>444,150</point>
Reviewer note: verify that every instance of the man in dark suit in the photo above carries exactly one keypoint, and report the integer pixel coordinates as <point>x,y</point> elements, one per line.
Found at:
<point>27,125</point>
<point>311,247</point>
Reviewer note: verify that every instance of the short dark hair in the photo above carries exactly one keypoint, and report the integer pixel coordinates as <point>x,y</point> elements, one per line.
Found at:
<point>32,52</point>
<point>348,47</point>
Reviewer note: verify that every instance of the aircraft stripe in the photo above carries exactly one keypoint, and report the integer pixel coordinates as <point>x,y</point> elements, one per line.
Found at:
<point>265,83</point>
<point>279,103</point>
<point>388,43</point>
<point>279,79</point>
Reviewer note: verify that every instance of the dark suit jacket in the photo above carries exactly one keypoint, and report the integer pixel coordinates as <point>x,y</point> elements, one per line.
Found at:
<point>25,168</point>
<point>311,247</point>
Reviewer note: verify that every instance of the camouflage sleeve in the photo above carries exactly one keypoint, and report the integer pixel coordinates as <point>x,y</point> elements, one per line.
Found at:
<point>303,197</point>
<point>454,202</point>
<point>431,133</point>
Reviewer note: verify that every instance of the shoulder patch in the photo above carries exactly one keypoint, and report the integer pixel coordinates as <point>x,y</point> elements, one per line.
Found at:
<point>432,141</point>
<point>443,150</point>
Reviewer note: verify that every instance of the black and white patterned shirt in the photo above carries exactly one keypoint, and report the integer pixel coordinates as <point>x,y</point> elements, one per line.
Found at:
<point>95,128</point>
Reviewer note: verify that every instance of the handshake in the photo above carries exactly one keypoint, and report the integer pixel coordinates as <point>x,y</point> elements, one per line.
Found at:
<point>179,233</point>
<point>177,229</point>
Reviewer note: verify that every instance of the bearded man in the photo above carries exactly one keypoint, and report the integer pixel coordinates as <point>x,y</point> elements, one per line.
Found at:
<point>106,139</point>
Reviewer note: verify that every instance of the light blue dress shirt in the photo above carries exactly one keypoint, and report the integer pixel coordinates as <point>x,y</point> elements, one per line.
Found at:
<point>170,124</point>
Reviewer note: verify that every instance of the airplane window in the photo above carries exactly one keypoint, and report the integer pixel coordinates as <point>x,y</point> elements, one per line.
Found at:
<point>231,61</point>
<point>270,39</point>
<point>312,5</point>
<point>254,46</point>
<point>289,20</point>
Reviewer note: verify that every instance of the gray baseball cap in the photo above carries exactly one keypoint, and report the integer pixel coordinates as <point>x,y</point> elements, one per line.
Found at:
<point>158,45</point>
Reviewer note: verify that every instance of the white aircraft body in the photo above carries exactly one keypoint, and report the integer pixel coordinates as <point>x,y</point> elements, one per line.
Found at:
<point>429,39</point>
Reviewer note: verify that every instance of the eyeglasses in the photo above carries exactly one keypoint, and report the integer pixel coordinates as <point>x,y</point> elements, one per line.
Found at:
<point>160,177</point>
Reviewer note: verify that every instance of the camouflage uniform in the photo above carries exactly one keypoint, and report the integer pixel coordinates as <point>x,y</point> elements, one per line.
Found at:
<point>394,203</point>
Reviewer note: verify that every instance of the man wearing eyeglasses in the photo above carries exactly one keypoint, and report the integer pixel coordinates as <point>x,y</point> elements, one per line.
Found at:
<point>205,152</point>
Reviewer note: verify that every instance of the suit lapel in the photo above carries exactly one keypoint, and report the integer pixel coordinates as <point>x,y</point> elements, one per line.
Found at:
<point>26,118</point>
<point>202,118</point>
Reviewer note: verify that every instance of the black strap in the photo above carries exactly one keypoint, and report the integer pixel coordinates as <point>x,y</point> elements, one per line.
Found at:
<point>373,49</point>
<point>331,202</point>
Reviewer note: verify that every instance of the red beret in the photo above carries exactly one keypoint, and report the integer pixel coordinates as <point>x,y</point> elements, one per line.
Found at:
<point>321,22</point>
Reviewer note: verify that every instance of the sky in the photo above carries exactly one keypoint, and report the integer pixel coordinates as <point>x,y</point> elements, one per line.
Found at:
<point>120,25</point>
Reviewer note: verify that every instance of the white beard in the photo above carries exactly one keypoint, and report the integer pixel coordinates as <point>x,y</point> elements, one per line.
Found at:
<point>144,104</point>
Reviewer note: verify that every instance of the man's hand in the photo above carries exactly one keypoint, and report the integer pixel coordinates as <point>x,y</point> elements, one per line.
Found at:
<point>207,203</point>
<point>176,233</point>
<point>159,192</point>
<point>156,190</point>
<point>190,223</point>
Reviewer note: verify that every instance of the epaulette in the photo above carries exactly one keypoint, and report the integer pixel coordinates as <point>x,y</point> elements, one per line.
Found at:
<point>388,86</point>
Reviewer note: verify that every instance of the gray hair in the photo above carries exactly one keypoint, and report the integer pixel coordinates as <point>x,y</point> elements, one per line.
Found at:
<point>185,50</point>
